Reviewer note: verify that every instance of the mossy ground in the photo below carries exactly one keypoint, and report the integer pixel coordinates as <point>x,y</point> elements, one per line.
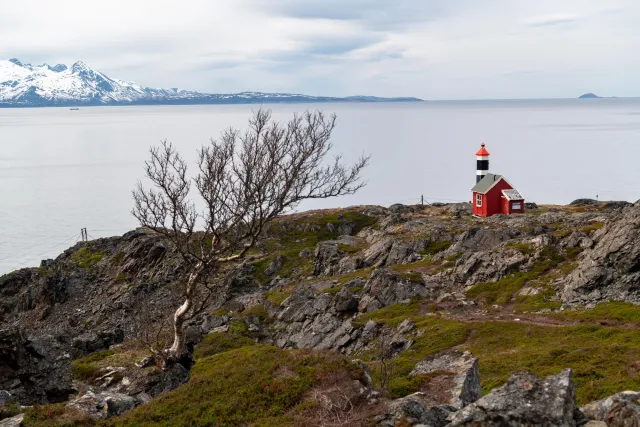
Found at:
<point>250,385</point>
<point>502,291</point>
<point>89,367</point>
<point>287,237</point>
<point>86,257</point>
<point>604,359</point>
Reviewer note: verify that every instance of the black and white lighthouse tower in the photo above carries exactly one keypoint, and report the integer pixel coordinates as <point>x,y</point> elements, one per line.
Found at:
<point>482,161</point>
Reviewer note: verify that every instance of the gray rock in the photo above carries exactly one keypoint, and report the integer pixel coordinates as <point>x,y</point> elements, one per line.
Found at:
<point>13,421</point>
<point>399,208</point>
<point>35,369</point>
<point>416,409</point>
<point>524,400</point>
<point>275,265</point>
<point>212,322</point>
<point>584,202</point>
<point>347,228</point>
<point>344,301</point>
<point>389,288</point>
<point>376,254</point>
<point>610,269</point>
<point>620,410</point>
<point>153,381</point>
<point>458,210</point>
<point>5,397</point>
<point>466,382</point>
<point>327,256</point>
<point>103,405</point>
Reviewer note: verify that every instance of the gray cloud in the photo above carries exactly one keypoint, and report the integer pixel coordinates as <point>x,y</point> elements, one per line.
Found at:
<point>545,21</point>
<point>435,49</point>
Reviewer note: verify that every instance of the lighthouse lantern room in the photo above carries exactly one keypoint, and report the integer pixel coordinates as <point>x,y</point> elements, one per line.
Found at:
<point>492,194</point>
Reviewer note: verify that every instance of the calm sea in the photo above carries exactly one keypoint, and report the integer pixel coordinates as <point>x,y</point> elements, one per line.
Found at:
<point>62,170</point>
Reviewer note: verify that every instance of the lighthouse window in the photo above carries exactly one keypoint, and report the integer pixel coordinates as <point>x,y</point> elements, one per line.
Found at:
<point>478,200</point>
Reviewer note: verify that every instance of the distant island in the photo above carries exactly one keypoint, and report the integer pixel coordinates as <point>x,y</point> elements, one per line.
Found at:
<point>26,85</point>
<point>589,96</point>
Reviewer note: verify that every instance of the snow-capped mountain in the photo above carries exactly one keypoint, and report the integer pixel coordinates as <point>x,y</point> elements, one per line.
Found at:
<point>26,85</point>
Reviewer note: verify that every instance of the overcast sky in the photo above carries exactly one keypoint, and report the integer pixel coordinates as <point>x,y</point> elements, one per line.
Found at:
<point>432,49</point>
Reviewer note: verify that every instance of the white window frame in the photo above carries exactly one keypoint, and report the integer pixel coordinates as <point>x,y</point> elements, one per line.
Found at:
<point>518,204</point>
<point>478,200</point>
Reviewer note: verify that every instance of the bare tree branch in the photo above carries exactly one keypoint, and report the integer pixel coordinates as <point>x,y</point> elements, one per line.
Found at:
<point>245,180</point>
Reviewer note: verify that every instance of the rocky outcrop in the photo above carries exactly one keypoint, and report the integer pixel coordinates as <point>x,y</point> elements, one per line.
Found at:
<point>524,400</point>
<point>466,387</point>
<point>102,405</point>
<point>35,370</point>
<point>611,268</point>
<point>415,410</point>
<point>619,410</point>
<point>15,421</point>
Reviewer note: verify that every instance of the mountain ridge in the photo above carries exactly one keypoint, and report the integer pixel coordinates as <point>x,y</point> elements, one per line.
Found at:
<point>27,85</point>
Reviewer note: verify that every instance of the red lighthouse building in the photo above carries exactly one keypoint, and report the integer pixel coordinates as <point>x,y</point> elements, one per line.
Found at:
<point>492,194</point>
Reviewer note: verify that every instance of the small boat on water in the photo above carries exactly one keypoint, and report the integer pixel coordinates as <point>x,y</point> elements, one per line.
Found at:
<point>74,108</point>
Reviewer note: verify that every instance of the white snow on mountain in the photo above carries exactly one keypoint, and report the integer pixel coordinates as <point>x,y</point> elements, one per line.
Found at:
<point>44,85</point>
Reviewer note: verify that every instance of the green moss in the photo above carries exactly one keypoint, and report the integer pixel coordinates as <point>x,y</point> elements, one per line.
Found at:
<point>9,410</point>
<point>288,236</point>
<point>603,359</point>
<point>592,227</point>
<point>564,232</point>
<point>55,415</point>
<point>502,291</point>
<point>86,257</point>
<point>276,297</point>
<point>525,248</point>
<point>537,302</point>
<point>435,247</point>
<point>88,367</point>
<point>390,315</point>
<point>251,385</point>
<point>219,343</point>
<point>614,311</point>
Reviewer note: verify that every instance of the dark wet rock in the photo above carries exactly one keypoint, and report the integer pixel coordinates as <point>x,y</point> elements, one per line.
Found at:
<point>35,369</point>
<point>90,342</point>
<point>524,400</point>
<point>617,205</point>
<point>584,202</point>
<point>345,301</point>
<point>531,205</point>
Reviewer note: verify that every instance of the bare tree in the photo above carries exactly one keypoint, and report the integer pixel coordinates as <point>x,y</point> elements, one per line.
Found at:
<point>245,180</point>
<point>384,352</point>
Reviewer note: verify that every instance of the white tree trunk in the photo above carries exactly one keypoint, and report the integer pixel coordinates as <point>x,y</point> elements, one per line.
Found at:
<point>174,352</point>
